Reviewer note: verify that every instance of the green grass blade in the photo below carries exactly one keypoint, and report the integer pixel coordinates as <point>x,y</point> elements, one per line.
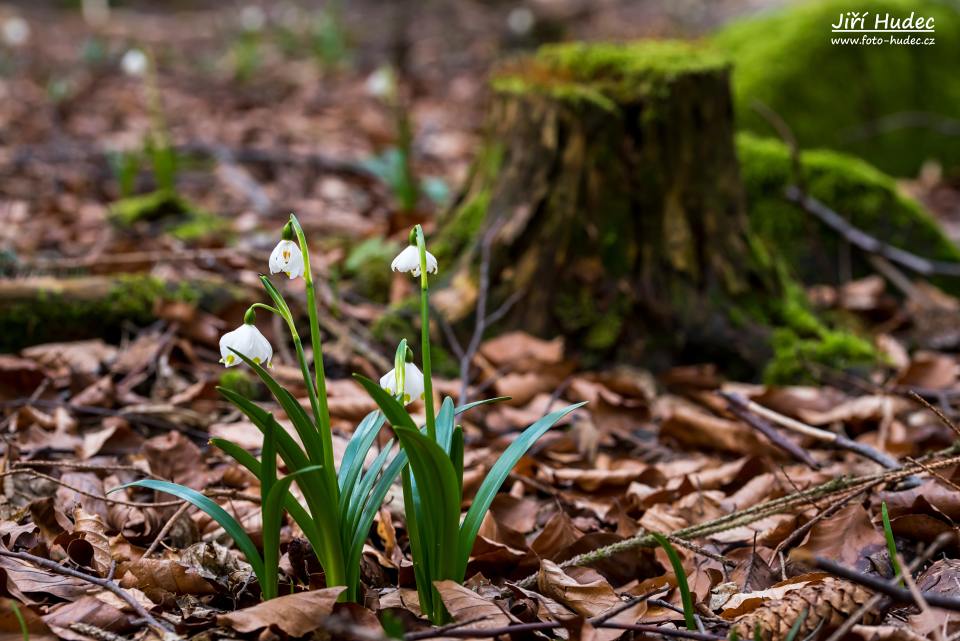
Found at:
<point>495,478</point>
<point>356,453</point>
<point>891,544</point>
<point>24,631</point>
<point>290,503</point>
<point>421,545</point>
<point>445,424</point>
<point>460,409</point>
<point>795,628</point>
<point>456,457</point>
<point>391,408</point>
<point>682,584</point>
<point>217,513</point>
<point>270,516</point>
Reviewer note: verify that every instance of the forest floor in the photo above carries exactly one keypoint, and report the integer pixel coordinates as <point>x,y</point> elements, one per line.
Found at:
<point>265,128</point>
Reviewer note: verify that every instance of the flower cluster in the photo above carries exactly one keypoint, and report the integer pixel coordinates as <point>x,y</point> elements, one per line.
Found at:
<point>286,258</point>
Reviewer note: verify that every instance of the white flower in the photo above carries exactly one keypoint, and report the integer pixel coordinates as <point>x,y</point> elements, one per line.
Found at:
<point>520,21</point>
<point>412,383</point>
<point>409,261</point>
<point>134,62</point>
<point>287,258</point>
<point>381,83</point>
<point>16,31</point>
<point>246,340</point>
<point>252,18</point>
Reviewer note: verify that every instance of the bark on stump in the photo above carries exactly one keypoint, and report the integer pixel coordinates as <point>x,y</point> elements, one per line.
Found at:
<point>611,172</point>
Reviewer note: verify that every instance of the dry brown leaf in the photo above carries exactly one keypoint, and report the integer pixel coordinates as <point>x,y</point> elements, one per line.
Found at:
<point>90,610</point>
<point>91,527</point>
<point>294,614</point>
<point>464,604</point>
<point>859,410</point>
<point>694,428</point>
<point>522,351</point>
<point>37,628</point>
<point>82,357</point>
<point>587,599</point>
<point>849,536</point>
<point>930,370</point>
<point>159,578</point>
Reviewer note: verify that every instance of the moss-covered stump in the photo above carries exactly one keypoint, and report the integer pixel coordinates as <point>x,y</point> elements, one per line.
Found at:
<point>867,197</point>
<point>48,309</point>
<point>887,103</point>
<point>611,172</point>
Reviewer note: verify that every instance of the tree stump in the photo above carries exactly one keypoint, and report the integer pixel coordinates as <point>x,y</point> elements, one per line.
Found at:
<point>610,174</point>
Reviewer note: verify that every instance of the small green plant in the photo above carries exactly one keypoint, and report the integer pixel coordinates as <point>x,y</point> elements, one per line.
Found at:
<point>440,542</point>
<point>682,584</point>
<point>339,506</point>
<point>795,628</point>
<point>891,544</point>
<point>24,631</point>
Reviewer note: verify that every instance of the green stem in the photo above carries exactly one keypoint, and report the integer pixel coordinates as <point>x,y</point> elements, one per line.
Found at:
<point>425,336</point>
<point>320,381</point>
<point>336,575</point>
<point>268,308</point>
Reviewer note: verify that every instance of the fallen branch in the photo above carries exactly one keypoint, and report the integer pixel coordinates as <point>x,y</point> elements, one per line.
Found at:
<point>830,489</point>
<point>737,407</point>
<point>838,440</point>
<point>878,584</point>
<point>876,600</point>
<point>164,630</point>
<point>865,242</point>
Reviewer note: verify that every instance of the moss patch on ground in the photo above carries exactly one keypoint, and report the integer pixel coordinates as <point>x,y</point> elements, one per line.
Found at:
<point>867,197</point>
<point>885,103</point>
<point>167,212</point>
<point>59,310</point>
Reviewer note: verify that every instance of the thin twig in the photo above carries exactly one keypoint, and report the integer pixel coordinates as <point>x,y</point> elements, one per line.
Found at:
<point>794,425</point>
<point>163,629</point>
<point>737,408</point>
<point>878,584</point>
<point>937,411</point>
<point>876,601</point>
<point>165,529</point>
<point>483,288</point>
<point>865,242</point>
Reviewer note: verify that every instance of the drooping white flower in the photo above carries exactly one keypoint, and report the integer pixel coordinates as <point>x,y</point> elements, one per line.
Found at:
<point>248,341</point>
<point>134,62</point>
<point>409,261</point>
<point>286,258</point>
<point>252,18</point>
<point>381,83</point>
<point>412,383</point>
<point>520,21</point>
<point>16,31</point>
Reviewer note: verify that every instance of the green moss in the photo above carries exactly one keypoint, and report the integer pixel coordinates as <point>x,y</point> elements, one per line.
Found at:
<point>795,356</point>
<point>168,212</point>
<point>607,74</point>
<point>85,308</point>
<point>53,316</point>
<point>867,197</point>
<point>883,103</point>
